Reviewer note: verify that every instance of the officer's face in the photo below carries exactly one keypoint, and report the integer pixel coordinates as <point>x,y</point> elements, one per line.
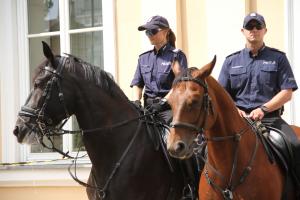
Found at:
<point>254,32</point>
<point>159,37</point>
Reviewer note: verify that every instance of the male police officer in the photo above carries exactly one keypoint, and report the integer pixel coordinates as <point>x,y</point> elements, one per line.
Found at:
<point>260,79</point>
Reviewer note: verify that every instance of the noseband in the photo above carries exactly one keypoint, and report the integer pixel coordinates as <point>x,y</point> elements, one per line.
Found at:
<point>206,105</point>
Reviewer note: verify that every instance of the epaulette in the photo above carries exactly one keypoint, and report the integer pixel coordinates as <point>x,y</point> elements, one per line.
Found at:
<point>176,50</point>
<point>146,52</point>
<point>277,50</point>
<point>233,54</point>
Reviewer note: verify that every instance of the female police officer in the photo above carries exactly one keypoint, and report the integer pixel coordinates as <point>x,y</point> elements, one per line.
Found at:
<point>155,73</point>
<point>158,67</point>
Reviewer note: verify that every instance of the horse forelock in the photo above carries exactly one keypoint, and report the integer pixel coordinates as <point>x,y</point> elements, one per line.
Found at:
<point>39,69</point>
<point>185,73</point>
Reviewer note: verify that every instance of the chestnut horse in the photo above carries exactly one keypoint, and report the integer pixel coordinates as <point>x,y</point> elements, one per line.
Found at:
<point>237,165</point>
<point>126,163</point>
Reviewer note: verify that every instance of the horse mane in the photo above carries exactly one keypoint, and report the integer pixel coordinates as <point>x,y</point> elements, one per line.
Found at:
<point>90,73</point>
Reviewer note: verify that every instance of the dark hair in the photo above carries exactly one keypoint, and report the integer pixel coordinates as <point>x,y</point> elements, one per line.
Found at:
<point>171,38</point>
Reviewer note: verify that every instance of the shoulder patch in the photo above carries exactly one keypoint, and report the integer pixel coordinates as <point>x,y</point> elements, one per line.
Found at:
<point>277,50</point>
<point>146,52</point>
<point>237,52</point>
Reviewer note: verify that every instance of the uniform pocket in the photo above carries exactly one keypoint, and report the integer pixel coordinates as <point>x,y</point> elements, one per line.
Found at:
<point>146,73</point>
<point>238,76</point>
<point>268,74</point>
<point>163,74</point>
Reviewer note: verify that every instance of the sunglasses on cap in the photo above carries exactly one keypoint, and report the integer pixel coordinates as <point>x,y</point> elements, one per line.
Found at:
<point>250,27</point>
<point>151,32</point>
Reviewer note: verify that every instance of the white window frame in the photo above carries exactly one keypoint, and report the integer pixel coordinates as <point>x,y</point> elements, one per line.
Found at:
<point>292,46</point>
<point>48,173</point>
<point>64,33</point>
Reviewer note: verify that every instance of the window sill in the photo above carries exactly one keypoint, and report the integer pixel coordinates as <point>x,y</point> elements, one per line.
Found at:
<point>42,175</point>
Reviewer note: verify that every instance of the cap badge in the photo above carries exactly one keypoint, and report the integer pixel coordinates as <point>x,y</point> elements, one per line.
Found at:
<point>253,14</point>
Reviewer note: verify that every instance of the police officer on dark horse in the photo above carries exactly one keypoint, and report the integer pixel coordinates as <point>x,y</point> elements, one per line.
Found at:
<point>155,73</point>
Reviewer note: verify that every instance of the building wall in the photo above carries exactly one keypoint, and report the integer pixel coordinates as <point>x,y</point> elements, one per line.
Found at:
<point>203,28</point>
<point>43,193</point>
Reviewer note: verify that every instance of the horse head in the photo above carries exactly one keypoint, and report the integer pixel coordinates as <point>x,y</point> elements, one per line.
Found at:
<point>49,102</point>
<point>192,108</point>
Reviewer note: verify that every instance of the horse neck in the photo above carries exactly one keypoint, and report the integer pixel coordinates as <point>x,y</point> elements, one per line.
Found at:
<point>227,123</point>
<point>98,113</point>
<point>95,107</point>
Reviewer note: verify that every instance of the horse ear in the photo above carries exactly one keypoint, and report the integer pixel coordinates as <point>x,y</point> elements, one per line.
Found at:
<point>206,70</point>
<point>48,53</point>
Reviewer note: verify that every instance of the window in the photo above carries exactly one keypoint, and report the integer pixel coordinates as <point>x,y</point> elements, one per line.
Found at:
<point>79,27</point>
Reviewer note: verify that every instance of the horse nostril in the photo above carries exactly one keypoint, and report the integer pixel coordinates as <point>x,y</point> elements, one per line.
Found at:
<point>179,146</point>
<point>16,131</point>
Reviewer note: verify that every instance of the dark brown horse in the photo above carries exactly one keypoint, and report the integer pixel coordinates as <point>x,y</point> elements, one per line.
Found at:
<point>237,165</point>
<point>126,163</point>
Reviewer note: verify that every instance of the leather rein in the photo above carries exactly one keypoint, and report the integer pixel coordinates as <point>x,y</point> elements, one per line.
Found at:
<point>207,106</point>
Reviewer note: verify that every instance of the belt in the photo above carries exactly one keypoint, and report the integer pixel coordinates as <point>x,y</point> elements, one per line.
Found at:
<point>150,101</point>
<point>275,113</point>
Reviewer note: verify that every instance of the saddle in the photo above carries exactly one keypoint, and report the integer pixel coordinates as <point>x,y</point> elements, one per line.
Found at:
<point>278,149</point>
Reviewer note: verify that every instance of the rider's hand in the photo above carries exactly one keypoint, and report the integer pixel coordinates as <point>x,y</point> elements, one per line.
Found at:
<point>160,106</point>
<point>256,114</point>
<point>242,113</point>
<point>137,103</point>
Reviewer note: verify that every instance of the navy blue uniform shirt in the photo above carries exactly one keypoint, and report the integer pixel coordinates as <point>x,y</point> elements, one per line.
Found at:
<point>253,81</point>
<point>154,70</point>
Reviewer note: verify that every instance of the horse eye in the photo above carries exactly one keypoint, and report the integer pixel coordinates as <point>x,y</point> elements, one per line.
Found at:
<point>194,103</point>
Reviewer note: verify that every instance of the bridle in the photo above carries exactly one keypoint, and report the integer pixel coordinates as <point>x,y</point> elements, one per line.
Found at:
<point>38,114</point>
<point>207,106</point>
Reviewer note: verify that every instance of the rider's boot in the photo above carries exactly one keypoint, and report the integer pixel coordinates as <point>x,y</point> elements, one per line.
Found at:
<point>191,175</point>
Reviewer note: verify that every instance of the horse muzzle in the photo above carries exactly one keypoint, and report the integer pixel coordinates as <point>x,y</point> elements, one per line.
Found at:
<point>180,150</point>
<point>25,132</point>
<point>20,133</point>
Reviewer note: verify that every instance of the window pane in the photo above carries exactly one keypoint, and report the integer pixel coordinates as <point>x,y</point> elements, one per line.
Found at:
<point>88,46</point>
<point>85,13</point>
<point>56,142</point>
<point>43,16</point>
<point>36,56</point>
<point>76,139</point>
